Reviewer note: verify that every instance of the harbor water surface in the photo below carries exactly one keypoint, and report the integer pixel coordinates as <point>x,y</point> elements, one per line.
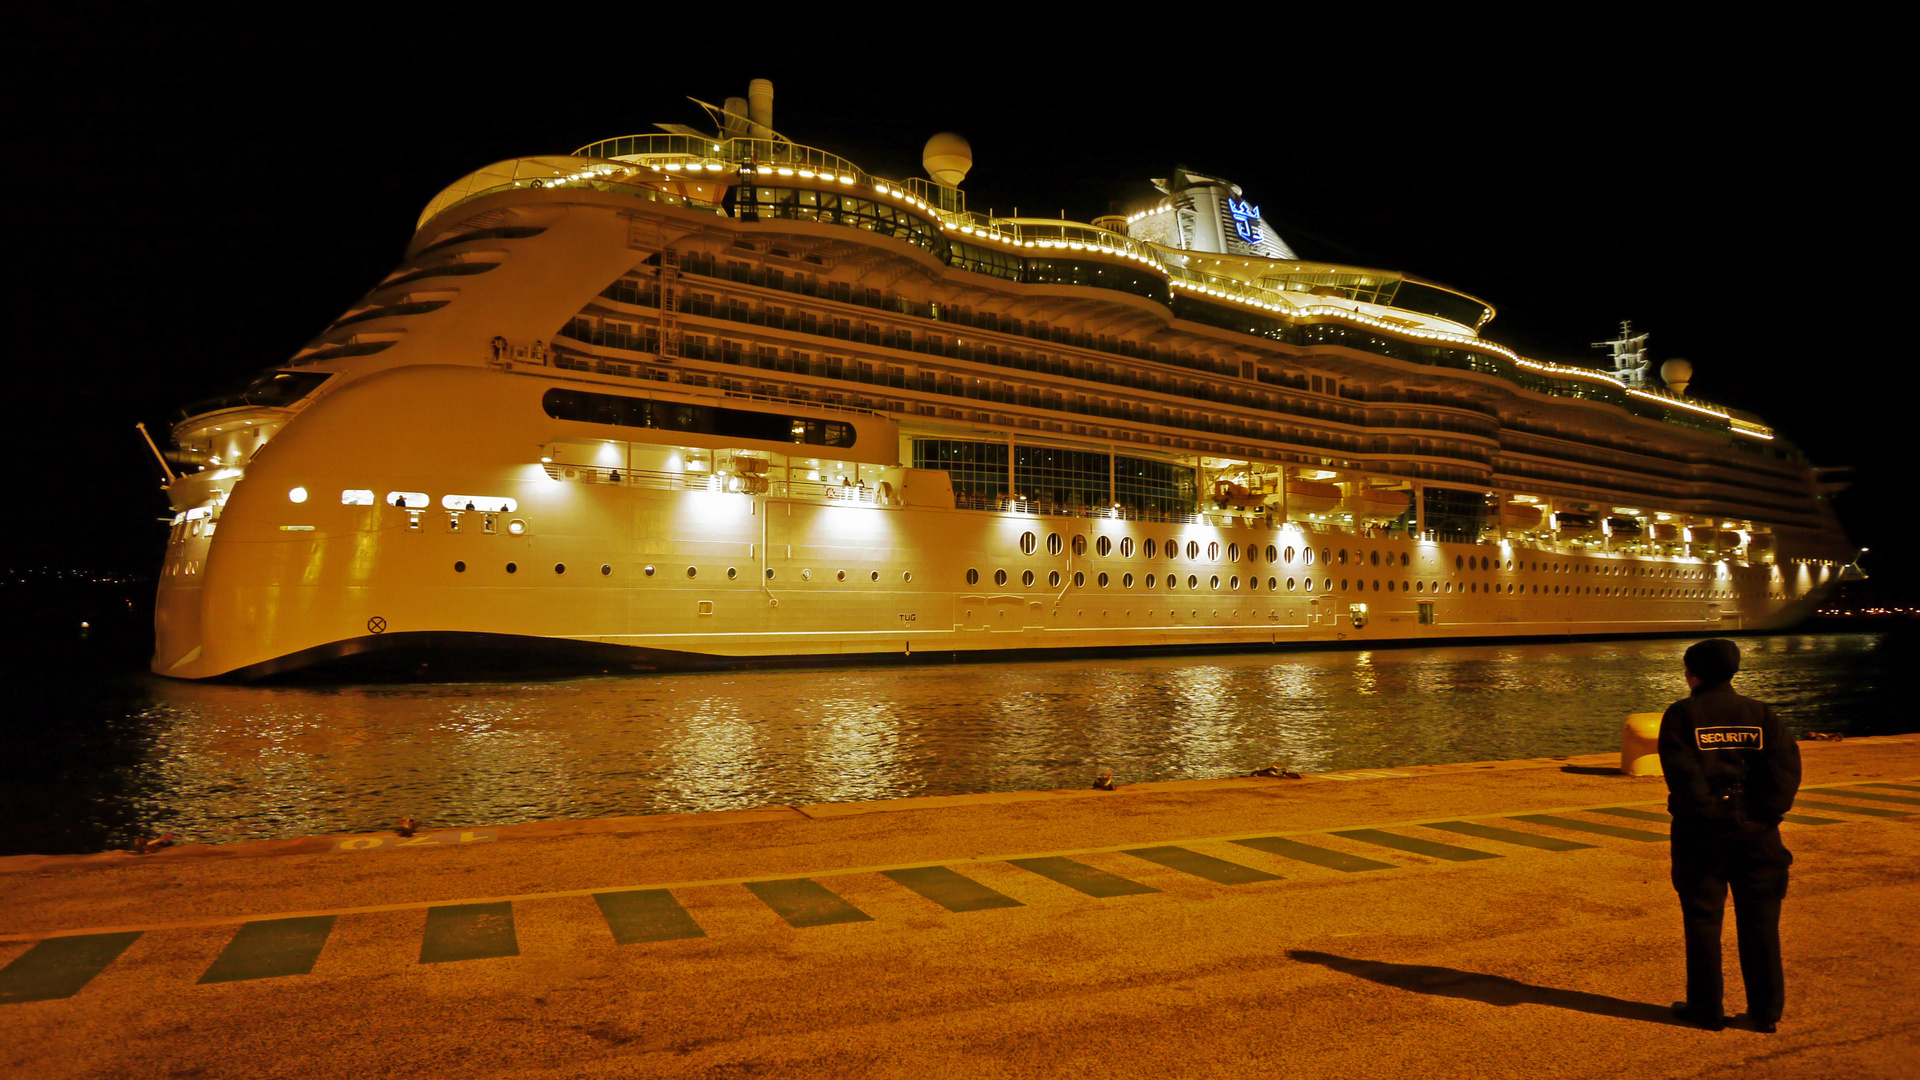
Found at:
<point>136,755</point>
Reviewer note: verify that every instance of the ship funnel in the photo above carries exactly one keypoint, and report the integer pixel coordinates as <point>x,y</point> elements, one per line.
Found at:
<point>1676,373</point>
<point>760,107</point>
<point>947,158</point>
<point>736,118</point>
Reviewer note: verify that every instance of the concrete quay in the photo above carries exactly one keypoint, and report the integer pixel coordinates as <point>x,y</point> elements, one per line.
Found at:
<point>1491,919</point>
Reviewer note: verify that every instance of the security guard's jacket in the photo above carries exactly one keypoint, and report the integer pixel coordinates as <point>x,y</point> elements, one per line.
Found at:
<point>1727,762</point>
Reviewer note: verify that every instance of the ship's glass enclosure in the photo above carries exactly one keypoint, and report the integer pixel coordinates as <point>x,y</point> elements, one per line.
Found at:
<point>1071,480</point>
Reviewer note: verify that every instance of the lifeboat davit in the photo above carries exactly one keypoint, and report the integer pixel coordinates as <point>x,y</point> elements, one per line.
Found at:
<point>1519,516</point>
<point>1379,505</point>
<point>1569,523</point>
<point>1312,496</point>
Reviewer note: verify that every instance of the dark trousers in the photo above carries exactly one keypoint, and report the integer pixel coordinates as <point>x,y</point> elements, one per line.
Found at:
<point>1709,859</point>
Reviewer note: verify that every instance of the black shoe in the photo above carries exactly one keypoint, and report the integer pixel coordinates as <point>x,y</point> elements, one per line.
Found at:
<point>1766,1027</point>
<point>1715,1022</point>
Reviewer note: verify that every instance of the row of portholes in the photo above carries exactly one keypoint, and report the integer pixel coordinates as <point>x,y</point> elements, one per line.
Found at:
<point>1481,562</point>
<point>1172,581</point>
<point>733,572</point>
<point>1149,548</point>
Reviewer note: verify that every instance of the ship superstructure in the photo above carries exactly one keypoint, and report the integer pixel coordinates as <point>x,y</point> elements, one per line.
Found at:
<point>699,398</point>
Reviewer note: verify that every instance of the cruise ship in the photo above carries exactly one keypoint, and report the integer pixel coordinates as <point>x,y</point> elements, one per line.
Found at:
<point>709,397</point>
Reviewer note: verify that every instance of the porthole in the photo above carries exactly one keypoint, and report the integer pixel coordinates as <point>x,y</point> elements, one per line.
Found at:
<point>1079,580</point>
<point>1102,579</point>
<point>1273,551</point>
<point>840,575</point>
<point>513,568</point>
<point>1274,583</point>
<point>1326,557</point>
<point>1253,582</point>
<point>1079,545</point>
<point>999,577</point>
<point>1193,549</point>
<point>973,576</point>
<point>693,571</point>
<point>1233,551</point>
<point>1193,581</point>
<point>806,574</point>
<point>1459,562</point>
<point>1232,583</point>
<point>769,573</point>
<point>1419,586</point>
<point>1389,586</point>
<point>1473,586</point>
<point>648,570</point>
<point>733,573</point>
<point>459,568</point>
<point>1126,581</point>
<point>1053,543</point>
<point>1053,579</point>
<point>1126,547</point>
<point>1343,584</point>
<point>559,568</point>
<point>1104,546</point>
<point>1213,551</point>
<point>1309,584</point>
<point>1150,580</point>
<point>906,576</point>
<point>1028,543</point>
<point>1289,553</point>
<point>1376,584</point>
<point>297,495</point>
<point>1374,558</point>
<point>516,527</point>
<point>1147,548</point>
<point>1026,579</point>
<point>606,570</point>
<point>873,575</point>
<point>1173,582</point>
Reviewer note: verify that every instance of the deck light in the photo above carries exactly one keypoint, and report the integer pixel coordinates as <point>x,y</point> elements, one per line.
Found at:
<point>298,495</point>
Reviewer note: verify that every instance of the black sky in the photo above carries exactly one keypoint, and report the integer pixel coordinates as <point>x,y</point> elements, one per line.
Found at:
<point>197,195</point>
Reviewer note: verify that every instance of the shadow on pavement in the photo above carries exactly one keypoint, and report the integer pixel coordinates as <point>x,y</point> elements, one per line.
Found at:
<point>1591,770</point>
<point>1492,989</point>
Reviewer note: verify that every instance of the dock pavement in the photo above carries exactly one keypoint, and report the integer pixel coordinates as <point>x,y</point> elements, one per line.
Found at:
<point>1482,919</point>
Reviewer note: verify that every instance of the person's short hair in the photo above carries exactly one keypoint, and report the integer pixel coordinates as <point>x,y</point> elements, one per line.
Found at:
<point>1713,660</point>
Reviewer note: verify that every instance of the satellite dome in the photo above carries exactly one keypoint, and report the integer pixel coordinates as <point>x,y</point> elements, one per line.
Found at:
<point>947,157</point>
<point>1677,373</point>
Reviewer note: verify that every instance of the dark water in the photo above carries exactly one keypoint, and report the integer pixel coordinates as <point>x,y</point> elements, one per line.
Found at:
<point>92,761</point>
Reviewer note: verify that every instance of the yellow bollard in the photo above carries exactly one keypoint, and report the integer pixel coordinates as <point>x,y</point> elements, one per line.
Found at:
<point>1640,744</point>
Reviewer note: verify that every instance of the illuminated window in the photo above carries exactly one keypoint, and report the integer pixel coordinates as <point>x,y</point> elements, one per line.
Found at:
<point>356,497</point>
<point>408,500</point>
<point>487,504</point>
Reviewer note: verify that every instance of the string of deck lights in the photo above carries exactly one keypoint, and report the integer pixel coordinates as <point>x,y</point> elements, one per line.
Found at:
<point>995,233</point>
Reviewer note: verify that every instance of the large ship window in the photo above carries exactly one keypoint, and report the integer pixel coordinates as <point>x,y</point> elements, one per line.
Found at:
<point>622,411</point>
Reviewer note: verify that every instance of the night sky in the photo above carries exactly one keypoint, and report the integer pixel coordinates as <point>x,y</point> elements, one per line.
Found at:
<point>202,196</point>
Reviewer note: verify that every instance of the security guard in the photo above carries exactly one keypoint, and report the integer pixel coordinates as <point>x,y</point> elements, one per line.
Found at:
<point>1731,773</point>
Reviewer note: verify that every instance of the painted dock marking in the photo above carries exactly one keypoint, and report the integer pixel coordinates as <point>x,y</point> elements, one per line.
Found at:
<point>59,967</point>
<point>1307,853</point>
<point>1083,878</point>
<point>270,948</point>
<point>1429,848</point>
<point>1600,828</point>
<point>1508,836</point>
<point>1843,808</point>
<point>804,902</point>
<point>1218,871</point>
<point>468,932</point>
<point>1808,819</point>
<point>950,889</point>
<point>640,915</point>
<point>1660,816</point>
<point>1896,787</point>
<point>1856,793</point>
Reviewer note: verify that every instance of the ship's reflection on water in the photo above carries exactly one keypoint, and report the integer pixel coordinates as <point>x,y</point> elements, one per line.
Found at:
<point>220,763</point>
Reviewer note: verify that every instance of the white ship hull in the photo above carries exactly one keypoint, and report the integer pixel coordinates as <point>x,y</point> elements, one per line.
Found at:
<point>428,503</point>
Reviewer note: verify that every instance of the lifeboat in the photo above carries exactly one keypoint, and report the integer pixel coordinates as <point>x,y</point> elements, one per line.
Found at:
<point>1626,527</point>
<point>1666,534</point>
<point>1521,516</point>
<point>1379,505</point>
<point>1227,492</point>
<point>1760,544</point>
<point>1569,523</point>
<point>1312,496</point>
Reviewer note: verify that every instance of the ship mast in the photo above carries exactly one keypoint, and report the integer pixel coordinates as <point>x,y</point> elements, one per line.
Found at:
<point>1630,362</point>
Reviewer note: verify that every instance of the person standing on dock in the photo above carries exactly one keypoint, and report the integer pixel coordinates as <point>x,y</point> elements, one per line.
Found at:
<point>1731,774</point>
